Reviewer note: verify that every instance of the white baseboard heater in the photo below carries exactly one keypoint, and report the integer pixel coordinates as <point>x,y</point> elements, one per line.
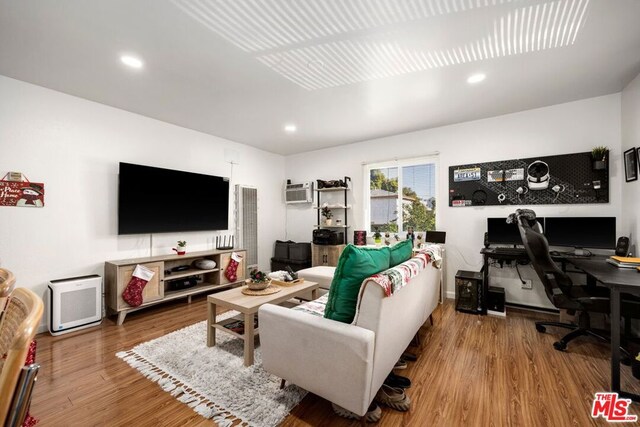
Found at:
<point>74,304</point>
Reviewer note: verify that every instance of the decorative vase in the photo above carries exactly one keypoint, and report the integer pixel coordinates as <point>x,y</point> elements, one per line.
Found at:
<point>257,286</point>
<point>328,221</point>
<point>599,165</point>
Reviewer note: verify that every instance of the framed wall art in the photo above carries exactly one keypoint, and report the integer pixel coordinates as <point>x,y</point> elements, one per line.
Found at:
<point>630,165</point>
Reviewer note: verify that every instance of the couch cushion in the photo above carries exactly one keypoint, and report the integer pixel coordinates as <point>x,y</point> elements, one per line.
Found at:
<point>321,274</point>
<point>354,266</point>
<point>400,252</point>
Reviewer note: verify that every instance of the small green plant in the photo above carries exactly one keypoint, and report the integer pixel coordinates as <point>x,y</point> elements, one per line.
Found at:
<point>326,212</point>
<point>376,234</point>
<point>182,243</point>
<point>599,153</point>
<point>258,276</point>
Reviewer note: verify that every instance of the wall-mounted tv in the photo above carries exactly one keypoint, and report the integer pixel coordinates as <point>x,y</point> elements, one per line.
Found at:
<point>155,200</point>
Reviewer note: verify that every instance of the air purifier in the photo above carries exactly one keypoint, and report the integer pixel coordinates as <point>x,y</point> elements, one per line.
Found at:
<point>74,304</point>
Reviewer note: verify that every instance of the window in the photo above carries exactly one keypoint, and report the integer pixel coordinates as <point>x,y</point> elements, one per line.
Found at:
<point>401,194</point>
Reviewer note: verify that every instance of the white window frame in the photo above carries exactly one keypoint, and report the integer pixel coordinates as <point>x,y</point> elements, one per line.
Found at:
<point>416,161</point>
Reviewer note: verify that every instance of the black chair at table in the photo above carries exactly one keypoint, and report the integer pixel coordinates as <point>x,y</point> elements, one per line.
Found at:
<point>560,289</point>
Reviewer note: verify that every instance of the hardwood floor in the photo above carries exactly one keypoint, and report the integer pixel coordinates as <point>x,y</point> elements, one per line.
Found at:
<point>473,371</point>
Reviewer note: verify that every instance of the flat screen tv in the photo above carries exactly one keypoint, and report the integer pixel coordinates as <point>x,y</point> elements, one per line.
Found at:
<point>155,200</point>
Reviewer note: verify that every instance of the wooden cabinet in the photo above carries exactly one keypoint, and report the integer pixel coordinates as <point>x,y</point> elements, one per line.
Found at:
<point>153,291</point>
<point>118,274</point>
<point>326,255</point>
<point>224,263</point>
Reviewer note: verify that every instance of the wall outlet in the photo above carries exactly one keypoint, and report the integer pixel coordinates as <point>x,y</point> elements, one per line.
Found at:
<point>527,284</point>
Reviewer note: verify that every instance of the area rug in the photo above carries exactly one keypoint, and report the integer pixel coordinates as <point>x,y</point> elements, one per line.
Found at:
<point>213,380</point>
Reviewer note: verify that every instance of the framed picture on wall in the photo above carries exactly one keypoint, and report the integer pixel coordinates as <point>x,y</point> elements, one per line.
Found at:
<point>631,165</point>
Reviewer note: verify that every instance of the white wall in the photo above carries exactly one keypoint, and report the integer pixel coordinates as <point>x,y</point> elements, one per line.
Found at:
<point>560,129</point>
<point>74,147</point>
<point>631,139</point>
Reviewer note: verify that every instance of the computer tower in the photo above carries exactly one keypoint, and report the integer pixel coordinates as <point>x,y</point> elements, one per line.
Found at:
<point>496,299</point>
<point>469,291</point>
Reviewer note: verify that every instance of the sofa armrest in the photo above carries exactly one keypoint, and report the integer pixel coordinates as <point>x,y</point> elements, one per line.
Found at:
<point>331,359</point>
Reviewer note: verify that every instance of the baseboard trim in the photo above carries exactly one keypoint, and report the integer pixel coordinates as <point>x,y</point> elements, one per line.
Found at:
<point>532,308</point>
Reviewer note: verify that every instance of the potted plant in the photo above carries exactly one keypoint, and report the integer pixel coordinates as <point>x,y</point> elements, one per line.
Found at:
<point>635,366</point>
<point>182,247</point>
<point>258,280</point>
<point>327,214</point>
<point>599,157</point>
<point>377,237</point>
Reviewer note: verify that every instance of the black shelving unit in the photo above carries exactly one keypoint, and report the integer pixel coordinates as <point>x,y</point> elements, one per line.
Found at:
<point>344,207</point>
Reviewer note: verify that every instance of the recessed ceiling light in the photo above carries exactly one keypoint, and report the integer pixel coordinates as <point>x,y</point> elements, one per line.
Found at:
<point>476,78</point>
<point>131,61</point>
<point>290,128</point>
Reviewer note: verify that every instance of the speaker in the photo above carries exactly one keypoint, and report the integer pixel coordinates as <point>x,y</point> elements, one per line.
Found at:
<point>74,304</point>
<point>622,247</point>
<point>496,299</point>
<point>486,239</point>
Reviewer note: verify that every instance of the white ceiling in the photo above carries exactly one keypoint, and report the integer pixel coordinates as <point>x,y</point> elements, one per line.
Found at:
<point>340,70</point>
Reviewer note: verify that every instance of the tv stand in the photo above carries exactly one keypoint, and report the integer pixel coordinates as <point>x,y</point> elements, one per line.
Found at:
<point>118,274</point>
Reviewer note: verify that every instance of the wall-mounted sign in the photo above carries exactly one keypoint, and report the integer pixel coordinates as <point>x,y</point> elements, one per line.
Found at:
<point>505,175</point>
<point>469,174</point>
<point>22,193</point>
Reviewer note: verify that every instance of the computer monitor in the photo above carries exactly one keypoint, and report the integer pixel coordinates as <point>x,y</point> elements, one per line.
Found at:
<point>501,233</point>
<point>436,237</point>
<point>581,232</point>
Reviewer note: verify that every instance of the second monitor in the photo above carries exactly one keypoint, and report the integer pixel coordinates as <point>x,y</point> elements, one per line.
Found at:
<point>581,232</point>
<point>501,233</point>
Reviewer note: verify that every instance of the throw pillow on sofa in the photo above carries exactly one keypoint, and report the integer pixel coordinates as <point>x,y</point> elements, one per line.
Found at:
<point>355,265</point>
<point>400,252</point>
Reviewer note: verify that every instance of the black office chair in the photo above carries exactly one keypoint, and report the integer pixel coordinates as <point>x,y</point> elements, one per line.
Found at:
<point>560,289</point>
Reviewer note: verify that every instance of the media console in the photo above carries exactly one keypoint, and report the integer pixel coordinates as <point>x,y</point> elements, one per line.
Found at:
<point>158,289</point>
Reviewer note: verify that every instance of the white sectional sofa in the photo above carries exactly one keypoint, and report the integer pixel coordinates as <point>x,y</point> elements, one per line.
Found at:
<point>347,363</point>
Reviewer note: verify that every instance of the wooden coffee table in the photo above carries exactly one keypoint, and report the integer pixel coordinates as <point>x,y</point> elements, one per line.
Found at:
<point>248,306</point>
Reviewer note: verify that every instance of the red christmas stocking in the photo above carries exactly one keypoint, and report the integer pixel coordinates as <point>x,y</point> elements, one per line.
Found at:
<point>132,294</point>
<point>231,273</point>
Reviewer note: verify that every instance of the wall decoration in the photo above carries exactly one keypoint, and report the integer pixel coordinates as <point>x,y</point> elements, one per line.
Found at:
<point>562,179</point>
<point>630,165</point>
<point>21,193</point>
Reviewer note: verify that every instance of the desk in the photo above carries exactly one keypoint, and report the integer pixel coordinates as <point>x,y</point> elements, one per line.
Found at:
<point>617,280</point>
<point>562,258</point>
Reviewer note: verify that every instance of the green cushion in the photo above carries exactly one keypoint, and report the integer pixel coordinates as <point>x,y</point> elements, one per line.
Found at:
<point>355,264</point>
<point>400,252</point>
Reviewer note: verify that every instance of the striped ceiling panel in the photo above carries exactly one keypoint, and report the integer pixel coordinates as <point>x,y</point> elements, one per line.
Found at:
<point>322,44</point>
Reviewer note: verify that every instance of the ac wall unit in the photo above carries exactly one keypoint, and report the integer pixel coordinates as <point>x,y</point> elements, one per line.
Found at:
<point>74,304</point>
<point>299,193</point>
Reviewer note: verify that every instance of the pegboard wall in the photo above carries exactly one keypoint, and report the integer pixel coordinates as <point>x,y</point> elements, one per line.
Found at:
<point>564,179</point>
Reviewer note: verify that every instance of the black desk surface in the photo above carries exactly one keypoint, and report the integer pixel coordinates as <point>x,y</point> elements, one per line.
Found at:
<point>608,274</point>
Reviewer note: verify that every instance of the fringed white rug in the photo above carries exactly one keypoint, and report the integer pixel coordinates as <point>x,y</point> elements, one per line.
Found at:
<point>213,380</point>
